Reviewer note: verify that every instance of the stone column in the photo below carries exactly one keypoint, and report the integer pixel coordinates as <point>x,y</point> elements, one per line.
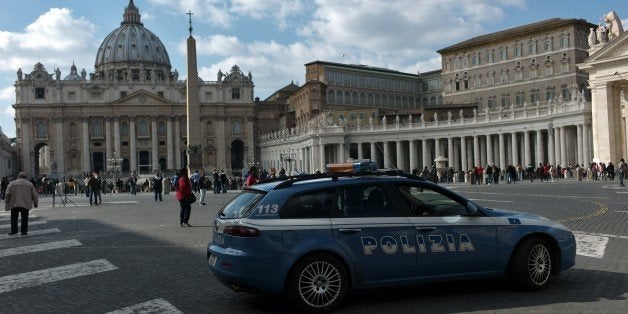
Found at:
<point>177,143</point>
<point>527,160</point>
<point>515,150</point>
<point>387,163</point>
<point>341,152</point>
<point>437,152</point>
<point>539,147</point>
<point>425,155</point>
<point>374,153</point>
<point>502,152</point>
<point>27,153</point>
<point>580,143</point>
<point>221,159</point>
<point>169,144</point>
<point>108,140</point>
<point>250,139</point>
<point>85,153</point>
<point>489,150</point>
<point>482,142</point>
<point>413,160</point>
<point>450,151</point>
<point>360,151</point>
<point>321,156</point>
<point>463,154</point>
<point>60,150</point>
<point>456,156</point>
<point>154,144</point>
<point>586,149</point>
<point>476,151</point>
<point>132,145</point>
<point>400,158</point>
<point>557,145</point>
<point>551,156</point>
<point>606,121</point>
<point>563,146</point>
<point>116,136</point>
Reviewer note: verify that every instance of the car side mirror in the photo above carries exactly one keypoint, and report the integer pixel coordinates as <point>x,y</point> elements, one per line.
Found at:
<point>472,209</point>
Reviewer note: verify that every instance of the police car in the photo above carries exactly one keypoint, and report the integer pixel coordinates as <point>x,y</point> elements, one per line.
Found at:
<point>315,237</point>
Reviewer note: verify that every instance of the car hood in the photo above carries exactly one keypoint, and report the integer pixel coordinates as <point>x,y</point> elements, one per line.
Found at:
<point>512,214</point>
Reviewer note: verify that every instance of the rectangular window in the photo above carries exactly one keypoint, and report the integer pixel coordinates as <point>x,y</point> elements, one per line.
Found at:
<point>519,98</point>
<point>489,56</point>
<point>476,59</point>
<point>505,102</point>
<point>235,93</point>
<point>208,95</point>
<point>564,41</point>
<point>40,93</point>
<point>548,44</point>
<point>549,94</point>
<point>95,94</point>
<point>491,103</point>
<point>532,47</point>
<point>518,50</point>
<point>122,94</point>
<point>504,53</point>
<point>160,94</point>
<point>534,96</point>
<point>71,95</point>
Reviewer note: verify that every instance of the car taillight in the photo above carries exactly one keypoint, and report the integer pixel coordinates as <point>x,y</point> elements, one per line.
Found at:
<point>240,231</point>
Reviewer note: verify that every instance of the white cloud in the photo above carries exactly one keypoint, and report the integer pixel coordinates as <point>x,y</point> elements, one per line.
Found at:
<point>49,40</point>
<point>213,12</point>
<point>278,10</point>
<point>7,93</point>
<point>220,45</point>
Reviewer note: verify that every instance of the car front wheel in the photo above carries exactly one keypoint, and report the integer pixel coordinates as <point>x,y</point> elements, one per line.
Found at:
<point>531,267</point>
<point>318,283</point>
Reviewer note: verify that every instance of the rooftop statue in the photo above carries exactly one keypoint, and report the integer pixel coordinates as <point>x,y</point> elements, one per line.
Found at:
<point>613,25</point>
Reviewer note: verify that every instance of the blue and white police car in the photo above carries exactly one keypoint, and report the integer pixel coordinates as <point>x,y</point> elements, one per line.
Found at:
<point>315,237</point>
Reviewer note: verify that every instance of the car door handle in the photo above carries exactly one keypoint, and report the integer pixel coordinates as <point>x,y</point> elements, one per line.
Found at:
<point>349,231</point>
<point>425,229</point>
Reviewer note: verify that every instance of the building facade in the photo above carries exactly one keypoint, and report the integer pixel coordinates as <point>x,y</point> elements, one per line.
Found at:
<point>129,115</point>
<point>513,97</point>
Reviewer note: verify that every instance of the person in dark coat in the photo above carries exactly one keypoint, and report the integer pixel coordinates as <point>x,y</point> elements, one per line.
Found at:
<point>158,182</point>
<point>21,196</point>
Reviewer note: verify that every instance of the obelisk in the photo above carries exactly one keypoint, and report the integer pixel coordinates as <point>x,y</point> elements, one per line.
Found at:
<point>194,149</point>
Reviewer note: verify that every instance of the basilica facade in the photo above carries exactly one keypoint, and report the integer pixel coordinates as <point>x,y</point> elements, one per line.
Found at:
<point>129,115</point>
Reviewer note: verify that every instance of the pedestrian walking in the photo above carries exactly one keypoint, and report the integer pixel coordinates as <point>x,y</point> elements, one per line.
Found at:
<point>203,182</point>
<point>133,184</point>
<point>158,182</point>
<point>223,181</point>
<point>20,197</point>
<point>184,191</point>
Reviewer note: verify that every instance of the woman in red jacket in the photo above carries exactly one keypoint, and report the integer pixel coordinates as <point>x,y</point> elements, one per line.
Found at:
<point>184,190</point>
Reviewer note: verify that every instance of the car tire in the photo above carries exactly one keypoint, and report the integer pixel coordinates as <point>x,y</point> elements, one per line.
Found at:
<point>532,265</point>
<point>318,283</point>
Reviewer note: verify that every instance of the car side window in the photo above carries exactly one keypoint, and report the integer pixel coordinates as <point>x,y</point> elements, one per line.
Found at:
<point>423,201</point>
<point>364,201</point>
<point>316,204</point>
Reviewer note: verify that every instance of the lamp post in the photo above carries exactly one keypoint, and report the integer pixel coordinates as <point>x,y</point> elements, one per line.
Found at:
<point>289,158</point>
<point>113,164</point>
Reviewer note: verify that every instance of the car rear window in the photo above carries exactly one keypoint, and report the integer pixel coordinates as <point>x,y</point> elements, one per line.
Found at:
<point>241,205</point>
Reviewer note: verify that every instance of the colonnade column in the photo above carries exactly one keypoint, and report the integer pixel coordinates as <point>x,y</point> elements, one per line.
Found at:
<point>108,146</point>
<point>401,165</point>
<point>373,153</point>
<point>437,152</point>
<point>360,151</point>
<point>539,147</point>
<point>580,143</point>
<point>476,151</point>
<point>412,153</point>
<point>59,145</point>
<point>386,155</point>
<point>563,146</point>
<point>551,157</point>
<point>154,144</point>
<point>424,152</point>
<point>116,136</point>
<point>463,154</point>
<point>132,145</point>
<point>450,151</point>
<point>169,146</point>
<point>526,148</point>
<point>85,150</point>
<point>489,150</point>
<point>502,152</point>
<point>586,133</point>
<point>557,145</point>
<point>321,156</point>
<point>177,142</point>
<point>515,150</point>
<point>483,160</point>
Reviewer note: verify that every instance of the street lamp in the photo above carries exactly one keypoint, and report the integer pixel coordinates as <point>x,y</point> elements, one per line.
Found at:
<point>288,158</point>
<point>113,164</point>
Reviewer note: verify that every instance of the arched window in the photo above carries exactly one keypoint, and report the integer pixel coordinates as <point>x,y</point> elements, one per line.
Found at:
<point>433,100</point>
<point>339,97</point>
<point>124,129</point>
<point>369,99</point>
<point>97,130</point>
<point>355,99</point>
<point>73,130</point>
<point>347,99</point>
<point>331,96</point>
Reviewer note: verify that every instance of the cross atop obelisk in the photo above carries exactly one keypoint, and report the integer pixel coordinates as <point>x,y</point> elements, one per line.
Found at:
<point>190,21</point>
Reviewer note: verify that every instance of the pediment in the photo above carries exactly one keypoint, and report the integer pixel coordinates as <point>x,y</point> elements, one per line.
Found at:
<point>140,98</point>
<point>612,51</point>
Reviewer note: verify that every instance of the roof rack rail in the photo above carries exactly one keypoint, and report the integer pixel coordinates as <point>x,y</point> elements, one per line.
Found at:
<point>334,176</point>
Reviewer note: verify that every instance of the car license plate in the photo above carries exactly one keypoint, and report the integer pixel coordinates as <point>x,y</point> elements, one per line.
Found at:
<point>212,260</point>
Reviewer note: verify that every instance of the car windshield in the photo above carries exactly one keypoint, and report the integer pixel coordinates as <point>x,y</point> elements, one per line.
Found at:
<point>241,205</point>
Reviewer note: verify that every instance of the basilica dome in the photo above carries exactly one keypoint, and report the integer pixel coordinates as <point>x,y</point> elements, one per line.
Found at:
<point>131,45</point>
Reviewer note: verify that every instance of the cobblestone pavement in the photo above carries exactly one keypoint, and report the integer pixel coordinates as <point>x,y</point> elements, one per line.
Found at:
<point>130,255</point>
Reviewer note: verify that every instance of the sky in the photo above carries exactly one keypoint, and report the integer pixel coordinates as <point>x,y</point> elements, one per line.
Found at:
<point>272,39</point>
